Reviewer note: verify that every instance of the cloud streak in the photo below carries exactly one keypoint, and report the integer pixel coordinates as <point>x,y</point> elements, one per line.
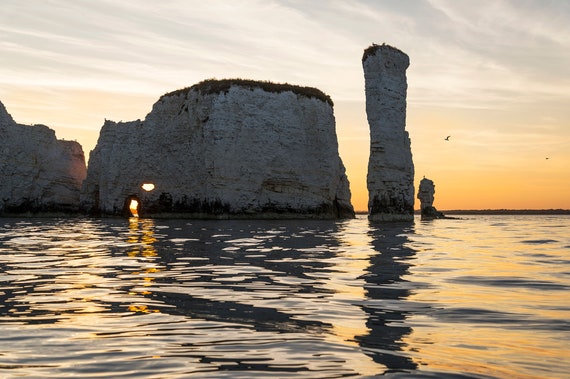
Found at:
<point>469,56</point>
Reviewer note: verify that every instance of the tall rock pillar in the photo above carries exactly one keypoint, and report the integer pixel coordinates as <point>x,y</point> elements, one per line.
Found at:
<point>390,177</point>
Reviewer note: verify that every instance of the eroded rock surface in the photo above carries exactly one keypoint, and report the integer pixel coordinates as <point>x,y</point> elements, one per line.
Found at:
<point>426,195</point>
<point>222,149</point>
<point>390,177</point>
<point>38,172</point>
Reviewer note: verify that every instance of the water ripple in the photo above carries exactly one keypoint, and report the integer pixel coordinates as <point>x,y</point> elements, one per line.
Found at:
<point>306,299</point>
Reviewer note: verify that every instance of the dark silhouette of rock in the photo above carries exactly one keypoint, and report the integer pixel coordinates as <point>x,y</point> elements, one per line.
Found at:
<point>426,196</point>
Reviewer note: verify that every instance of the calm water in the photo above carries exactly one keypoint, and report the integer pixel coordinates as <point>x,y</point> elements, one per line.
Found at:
<point>481,297</point>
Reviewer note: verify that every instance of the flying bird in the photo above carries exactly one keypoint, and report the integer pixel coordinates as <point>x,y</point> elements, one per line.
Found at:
<point>447,138</point>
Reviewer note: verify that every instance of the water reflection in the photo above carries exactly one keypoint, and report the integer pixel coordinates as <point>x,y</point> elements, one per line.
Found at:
<point>141,238</point>
<point>258,277</point>
<point>310,299</point>
<point>141,235</point>
<point>386,290</point>
<point>253,274</point>
<point>52,273</point>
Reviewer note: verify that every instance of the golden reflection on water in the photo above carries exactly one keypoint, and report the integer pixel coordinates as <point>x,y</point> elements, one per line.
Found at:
<point>480,278</point>
<point>351,262</point>
<point>141,236</point>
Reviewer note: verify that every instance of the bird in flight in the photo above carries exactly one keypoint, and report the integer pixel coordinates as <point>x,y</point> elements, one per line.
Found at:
<point>447,138</point>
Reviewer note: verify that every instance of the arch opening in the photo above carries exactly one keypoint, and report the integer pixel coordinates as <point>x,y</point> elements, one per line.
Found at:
<point>134,207</point>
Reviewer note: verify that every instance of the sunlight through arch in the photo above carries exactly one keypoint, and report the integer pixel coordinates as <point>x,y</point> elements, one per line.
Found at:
<point>134,207</point>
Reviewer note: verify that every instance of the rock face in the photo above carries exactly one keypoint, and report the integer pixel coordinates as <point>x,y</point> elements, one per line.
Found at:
<point>426,193</point>
<point>426,196</point>
<point>38,173</point>
<point>390,177</point>
<point>224,149</point>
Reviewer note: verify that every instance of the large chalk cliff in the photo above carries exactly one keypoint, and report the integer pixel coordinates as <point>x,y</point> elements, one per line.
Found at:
<point>220,149</point>
<point>390,177</point>
<point>38,172</point>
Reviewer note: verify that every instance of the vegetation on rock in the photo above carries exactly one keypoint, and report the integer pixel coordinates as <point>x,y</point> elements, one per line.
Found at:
<point>371,50</point>
<point>213,86</point>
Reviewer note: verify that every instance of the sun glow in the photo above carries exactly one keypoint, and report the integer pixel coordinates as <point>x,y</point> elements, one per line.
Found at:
<point>133,207</point>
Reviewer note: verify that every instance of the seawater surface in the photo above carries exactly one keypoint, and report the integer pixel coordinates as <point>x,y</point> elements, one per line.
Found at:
<point>479,297</point>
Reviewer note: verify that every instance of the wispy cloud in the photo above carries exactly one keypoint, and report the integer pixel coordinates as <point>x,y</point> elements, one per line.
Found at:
<point>463,54</point>
<point>499,52</point>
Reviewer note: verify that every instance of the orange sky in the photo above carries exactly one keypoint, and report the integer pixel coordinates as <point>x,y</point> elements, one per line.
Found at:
<point>495,75</point>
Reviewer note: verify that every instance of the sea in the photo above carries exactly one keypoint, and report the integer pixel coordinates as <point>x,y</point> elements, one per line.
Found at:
<point>481,296</point>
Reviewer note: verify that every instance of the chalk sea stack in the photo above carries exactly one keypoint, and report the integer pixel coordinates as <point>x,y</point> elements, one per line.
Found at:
<point>38,172</point>
<point>426,196</point>
<point>390,177</point>
<point>223,149</point>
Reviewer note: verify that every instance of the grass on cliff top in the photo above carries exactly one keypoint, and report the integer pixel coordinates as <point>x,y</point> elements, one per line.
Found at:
<point>371,50</point>
<point>214,86</point>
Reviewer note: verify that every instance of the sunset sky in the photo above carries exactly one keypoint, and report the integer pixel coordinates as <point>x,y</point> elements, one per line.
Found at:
<point>492,74</point>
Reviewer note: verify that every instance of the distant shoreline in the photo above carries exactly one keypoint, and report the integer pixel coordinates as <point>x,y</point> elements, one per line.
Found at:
<point>496,212</point>
<point>505,212</point>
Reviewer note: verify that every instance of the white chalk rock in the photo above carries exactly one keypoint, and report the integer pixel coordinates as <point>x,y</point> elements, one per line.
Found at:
<point>229,148</point>
<point>390,177</point>
<point>38,173</point>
